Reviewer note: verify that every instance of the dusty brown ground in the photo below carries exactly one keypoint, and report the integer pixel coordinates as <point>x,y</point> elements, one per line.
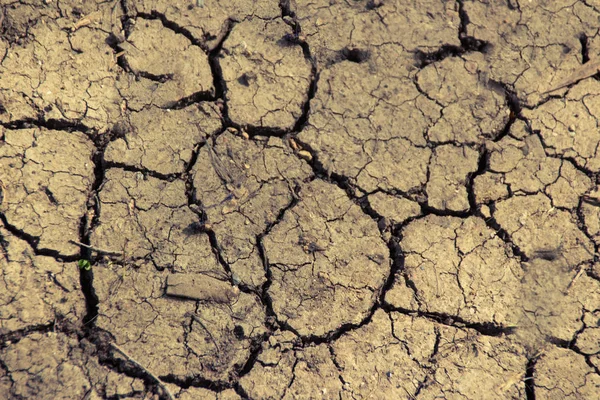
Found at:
<point>313,199</point>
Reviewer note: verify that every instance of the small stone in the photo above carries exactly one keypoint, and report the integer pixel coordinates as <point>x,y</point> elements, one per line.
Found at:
<point>293,144</point>
<point>305,155</point>
<point>201,287</point>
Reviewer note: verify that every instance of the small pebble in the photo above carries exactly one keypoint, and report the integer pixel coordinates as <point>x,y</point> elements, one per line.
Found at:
<point>305,155</point>
<point>293,144</point>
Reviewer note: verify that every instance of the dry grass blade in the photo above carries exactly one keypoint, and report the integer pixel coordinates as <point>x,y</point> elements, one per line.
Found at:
<point>586,70</point>
<point>96,249</point>
<point>577,275</point>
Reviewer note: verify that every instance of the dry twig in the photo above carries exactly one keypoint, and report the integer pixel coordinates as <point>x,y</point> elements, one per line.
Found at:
<point>160,383</point>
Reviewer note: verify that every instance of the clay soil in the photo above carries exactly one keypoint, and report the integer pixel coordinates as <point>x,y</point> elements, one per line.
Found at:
<point>327,199</point>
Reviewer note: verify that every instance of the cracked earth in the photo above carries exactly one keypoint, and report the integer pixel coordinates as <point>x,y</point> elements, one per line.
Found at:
<point>305,199</point>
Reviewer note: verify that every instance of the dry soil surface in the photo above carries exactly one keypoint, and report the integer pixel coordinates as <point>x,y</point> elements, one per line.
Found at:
<point>325,199</point>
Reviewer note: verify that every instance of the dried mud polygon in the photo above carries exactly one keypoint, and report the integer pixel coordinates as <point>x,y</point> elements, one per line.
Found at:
<point>299,199</point>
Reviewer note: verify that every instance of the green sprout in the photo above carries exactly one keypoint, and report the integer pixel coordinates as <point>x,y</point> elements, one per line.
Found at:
<point>84,264</point>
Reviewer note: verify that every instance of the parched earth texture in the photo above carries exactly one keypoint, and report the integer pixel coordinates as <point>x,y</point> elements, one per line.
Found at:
<point>317,199</point>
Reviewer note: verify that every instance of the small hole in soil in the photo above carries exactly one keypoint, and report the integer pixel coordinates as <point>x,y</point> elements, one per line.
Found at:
<point>373,4</point>
<point>247,78</point>
<point>355,55</point>
<point>585,56</point>
<point>238,331</point>
<point>291,39</point>
<point>119,130</point>
<point>50,196</point>
<point>77,12</point>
